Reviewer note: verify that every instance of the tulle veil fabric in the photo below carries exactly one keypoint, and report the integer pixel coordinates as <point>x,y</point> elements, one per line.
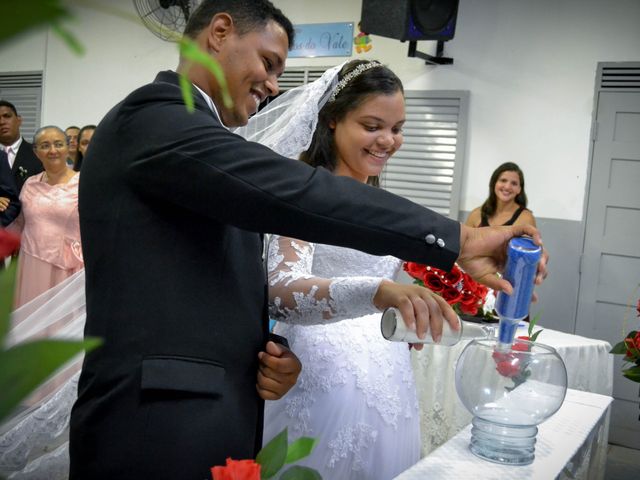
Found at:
<point>34,443</point>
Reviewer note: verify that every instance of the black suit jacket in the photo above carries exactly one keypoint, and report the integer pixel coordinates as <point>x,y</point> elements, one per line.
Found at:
<point>25,164</point>
<point>8,189</point>
<point>170,203</point>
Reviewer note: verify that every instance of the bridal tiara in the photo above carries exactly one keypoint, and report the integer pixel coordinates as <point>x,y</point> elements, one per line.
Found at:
<point>351,75</point>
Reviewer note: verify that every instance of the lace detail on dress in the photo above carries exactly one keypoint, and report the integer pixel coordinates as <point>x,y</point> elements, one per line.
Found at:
<point>302,298</point>
<point>356,392</point>
<point>35,435</point>
<point>352,441</point>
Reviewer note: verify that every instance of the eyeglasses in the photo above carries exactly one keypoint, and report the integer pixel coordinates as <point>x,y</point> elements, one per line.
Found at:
<point>44,147</point>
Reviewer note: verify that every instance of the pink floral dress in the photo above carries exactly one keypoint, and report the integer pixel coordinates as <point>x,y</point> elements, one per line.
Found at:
<point>50,248</point>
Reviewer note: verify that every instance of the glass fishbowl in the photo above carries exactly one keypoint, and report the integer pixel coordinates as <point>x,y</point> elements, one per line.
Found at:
<point>509,391</point>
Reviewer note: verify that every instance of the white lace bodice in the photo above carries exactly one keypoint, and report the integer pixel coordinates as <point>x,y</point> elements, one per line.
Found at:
<point>316,284</point>
<point>356,391</point>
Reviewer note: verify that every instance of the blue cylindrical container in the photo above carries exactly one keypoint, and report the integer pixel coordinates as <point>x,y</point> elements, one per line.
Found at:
<point>520,271</point>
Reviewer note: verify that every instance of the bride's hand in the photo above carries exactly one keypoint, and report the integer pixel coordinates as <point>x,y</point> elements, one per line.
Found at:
<point>278,371</point>
<point>421,309</point>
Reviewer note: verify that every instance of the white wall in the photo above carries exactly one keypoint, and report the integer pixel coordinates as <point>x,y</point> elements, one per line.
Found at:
<point>529,65</point>
<point>121,55</point>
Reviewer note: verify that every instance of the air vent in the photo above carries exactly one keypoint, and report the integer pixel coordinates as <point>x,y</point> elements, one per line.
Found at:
<point>620,78</point>
<point>21,80</point>
<point>24,90</point>
<point>296,76</point>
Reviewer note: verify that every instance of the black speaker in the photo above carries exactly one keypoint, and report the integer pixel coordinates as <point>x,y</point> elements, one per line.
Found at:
<point>410,19</point>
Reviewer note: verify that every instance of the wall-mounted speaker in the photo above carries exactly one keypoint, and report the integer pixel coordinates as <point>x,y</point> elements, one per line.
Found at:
<point>410,19</point>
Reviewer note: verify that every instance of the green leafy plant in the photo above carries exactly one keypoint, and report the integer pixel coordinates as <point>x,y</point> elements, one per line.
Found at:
<point>630,348</point>
<point>270,460</point>
<point>26,365</point>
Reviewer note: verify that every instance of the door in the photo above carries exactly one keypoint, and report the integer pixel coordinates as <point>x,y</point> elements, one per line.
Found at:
<point>610,267</point>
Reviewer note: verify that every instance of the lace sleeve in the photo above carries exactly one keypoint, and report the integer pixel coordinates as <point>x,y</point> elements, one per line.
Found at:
<point>296,296</point>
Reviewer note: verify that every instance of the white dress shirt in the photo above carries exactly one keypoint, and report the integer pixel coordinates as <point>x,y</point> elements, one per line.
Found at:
<point>212,105</point>
<point>12,151</point>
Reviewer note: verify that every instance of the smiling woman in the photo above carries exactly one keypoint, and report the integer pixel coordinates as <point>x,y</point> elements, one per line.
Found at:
<point>50,249</point>
<point>507,201</point>
<point>327,300</point>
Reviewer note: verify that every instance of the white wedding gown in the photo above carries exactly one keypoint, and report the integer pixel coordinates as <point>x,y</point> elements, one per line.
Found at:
<point>356,393</point>
<point>34,443</point>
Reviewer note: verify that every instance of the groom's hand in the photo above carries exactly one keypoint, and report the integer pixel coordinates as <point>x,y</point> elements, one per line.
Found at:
<point>483,253</point>
<point>278,371</point>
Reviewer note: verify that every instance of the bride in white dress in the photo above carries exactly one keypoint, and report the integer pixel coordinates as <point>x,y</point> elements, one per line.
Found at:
<point>356,393</point>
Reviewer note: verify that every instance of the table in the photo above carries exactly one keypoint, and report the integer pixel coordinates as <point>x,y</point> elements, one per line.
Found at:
<point>442,415</point>
<point>571,444</point>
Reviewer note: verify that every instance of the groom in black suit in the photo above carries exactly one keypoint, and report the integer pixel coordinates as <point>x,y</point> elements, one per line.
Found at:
<point>9,201</point>
<point>171,209</point>
<point>20,155</point>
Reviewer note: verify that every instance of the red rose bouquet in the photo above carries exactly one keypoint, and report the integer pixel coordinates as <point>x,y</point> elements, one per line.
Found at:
<point>630,348</point>
<point>464,294</point>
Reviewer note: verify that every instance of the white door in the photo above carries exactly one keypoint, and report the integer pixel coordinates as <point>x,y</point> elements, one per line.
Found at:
<point>610,272</point>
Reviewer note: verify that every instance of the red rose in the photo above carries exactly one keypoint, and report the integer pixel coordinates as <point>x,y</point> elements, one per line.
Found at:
<point>633,346</point>
<point>468,302</point>
<point>507,364</point>
<point>453,277</point>
<point>451,295</point>
<point>415,269</point>
<point>237,470</point>
<point>433,281</point>
<point>481,292</point>
<point>9,243</point>
<point>521,346</point>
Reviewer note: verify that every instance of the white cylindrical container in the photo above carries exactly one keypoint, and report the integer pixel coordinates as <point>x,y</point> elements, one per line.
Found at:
<point>394,329</point>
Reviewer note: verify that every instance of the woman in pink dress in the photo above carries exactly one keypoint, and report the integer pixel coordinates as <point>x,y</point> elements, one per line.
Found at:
<point>50,249</point>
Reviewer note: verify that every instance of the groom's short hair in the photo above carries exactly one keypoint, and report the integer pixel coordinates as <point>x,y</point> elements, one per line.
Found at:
<point>248,15</point>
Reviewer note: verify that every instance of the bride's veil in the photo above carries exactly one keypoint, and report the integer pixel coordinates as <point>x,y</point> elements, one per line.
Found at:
<point>287,123</point>
<point>36,436</point>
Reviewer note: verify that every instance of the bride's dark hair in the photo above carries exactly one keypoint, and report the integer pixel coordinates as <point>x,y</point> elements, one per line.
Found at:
<point>373,81</point>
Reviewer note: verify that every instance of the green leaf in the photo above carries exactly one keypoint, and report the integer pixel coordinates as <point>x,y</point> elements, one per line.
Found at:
<point>19,16</point>
<point>532,338</point>
<point>7,282</point>
<point>272,456</point>
<point>299,449</point>
<point>25,366</point>
<point>67,37</point>
<point>191,51</point>
<point>632,373</point>
<point>619,348</point>
<point>300,473</point>
<point>187,93</point>
<point>532,323</point>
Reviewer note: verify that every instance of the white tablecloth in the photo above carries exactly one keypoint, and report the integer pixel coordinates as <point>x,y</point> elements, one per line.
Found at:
<point>569,445</point>
<point>442,415</point>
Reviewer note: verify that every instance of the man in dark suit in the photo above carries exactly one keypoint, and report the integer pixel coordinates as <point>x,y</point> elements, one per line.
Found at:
<point>20,154</point>
<point>9,201</point>
<point>171,206</point>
